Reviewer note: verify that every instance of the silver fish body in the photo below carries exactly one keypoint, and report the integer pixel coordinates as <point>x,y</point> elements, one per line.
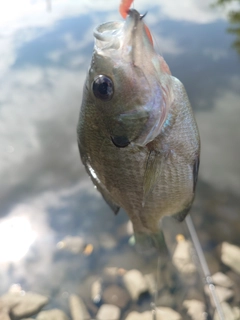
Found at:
<point>137,135</point>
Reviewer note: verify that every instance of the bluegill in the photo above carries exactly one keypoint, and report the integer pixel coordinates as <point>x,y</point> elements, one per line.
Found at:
<point>137,135</point>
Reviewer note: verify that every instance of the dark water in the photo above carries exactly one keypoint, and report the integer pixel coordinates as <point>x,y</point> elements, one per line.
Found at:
<point>45,193</point>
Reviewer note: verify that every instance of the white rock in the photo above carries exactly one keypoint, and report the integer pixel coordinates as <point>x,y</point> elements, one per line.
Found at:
<point>4,312</point>
<point>77,308</point>
<point>134,315</point>
<point>151,282</point>
<point>54,314</point>
<point>96,290</point>
<point>227,311</point>
<point>195,309</point>
<point>73,244</point>
<point>230,255</point>
<point>164,313</point>
<point>222,280</point>
<point>182,258</point>
<point>223,294</point>
<point>23,304</point>
<point>107,241</point>
<point>108,312</point>
<point>236,312</point>
<point>135,283</point>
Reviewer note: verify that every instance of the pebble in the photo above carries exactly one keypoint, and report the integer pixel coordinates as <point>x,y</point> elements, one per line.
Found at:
<point>230,255</point>
<point>23,304</point>
<point>116,295</point>
<point>74,244</point>
<point>195,309</point>
<point>112,274</point>
<point>107,241</point>
<point>134,315</point>
<point>227,311</point>
<point>108,312</point>
<point>96,291</point>
<point>223,294</point>
<point>165,299</point>
<point>77,308</point>
<point>135,283</point>
<point>222,280</point>
<point>164,313</point>
<point>54,314</point>
<point>4,312</point>
<point>125,230</point>
<point>151,282</point>
<point>236,312</point>
<point>182,258</point>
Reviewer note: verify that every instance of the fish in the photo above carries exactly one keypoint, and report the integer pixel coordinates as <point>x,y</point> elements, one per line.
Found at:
<point>137,134</point>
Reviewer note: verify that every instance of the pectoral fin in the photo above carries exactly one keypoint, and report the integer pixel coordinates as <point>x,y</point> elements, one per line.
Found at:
<point>152,173</point>
<point>96,181</point>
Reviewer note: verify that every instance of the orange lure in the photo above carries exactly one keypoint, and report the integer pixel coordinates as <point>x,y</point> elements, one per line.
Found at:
<point>123,9</point>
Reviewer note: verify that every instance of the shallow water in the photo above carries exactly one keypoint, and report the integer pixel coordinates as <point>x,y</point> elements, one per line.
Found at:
<point>45,193</point>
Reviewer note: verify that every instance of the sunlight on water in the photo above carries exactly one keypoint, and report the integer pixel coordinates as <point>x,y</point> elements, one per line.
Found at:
<point>16,237</point>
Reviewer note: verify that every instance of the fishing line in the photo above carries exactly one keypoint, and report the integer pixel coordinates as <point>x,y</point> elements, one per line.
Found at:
<point>204,265</point>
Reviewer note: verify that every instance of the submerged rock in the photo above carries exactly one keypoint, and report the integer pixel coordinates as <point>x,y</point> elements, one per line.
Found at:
<point>227,311</point>
<point>108,312</point>
<point>230,255</point>
<point>135,283</point>
<point>164,313</point>
<point>223,294</point>
<point>134,315</point>
<point>54,314</point>
<point>77,308</point>
<point>74,244</point>
<point>116,295</point>
<point>182,258</point>
<point>222,280</point>
<point>195,309</point>
<point>96,291</point>
<point>23,304</point>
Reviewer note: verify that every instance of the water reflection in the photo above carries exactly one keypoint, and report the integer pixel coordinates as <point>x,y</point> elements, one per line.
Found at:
<point>45,194</point>
<point>234,19</point>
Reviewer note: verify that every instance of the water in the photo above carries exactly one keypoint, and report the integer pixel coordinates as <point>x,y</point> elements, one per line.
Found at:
<point>45,194</point>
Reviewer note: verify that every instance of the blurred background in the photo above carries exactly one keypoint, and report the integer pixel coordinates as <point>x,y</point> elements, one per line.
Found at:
<point>45,193</point>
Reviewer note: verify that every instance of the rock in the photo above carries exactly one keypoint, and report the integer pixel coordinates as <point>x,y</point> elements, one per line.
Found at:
<point>227,311</point>
<point>134,315</point>
<point>96,291</point>
<point>164,313</point>
<point>77,308</point>
<point>107,241</point>
<point>116,295</point>
<point>125,230</point>
<point>195,309</point>
<point>112,274</point>
<point>223,294</point>
<point>4,312</point>
<point>230,255</point>
<point>222,280</point>
<point>165,299</point>
<point>151,283</point>
<point>236,312</point>
<point>74,244</point>
<point>182,258</point>
<point>23,304</point>
<point>108,311</point>
<point>135,283</point>
<point>54,314</point>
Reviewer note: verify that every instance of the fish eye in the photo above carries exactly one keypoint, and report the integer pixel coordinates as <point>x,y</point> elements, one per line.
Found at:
<point>103,87</point>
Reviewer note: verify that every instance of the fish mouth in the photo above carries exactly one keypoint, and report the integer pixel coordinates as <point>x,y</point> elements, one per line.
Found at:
<point>121,36</point>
